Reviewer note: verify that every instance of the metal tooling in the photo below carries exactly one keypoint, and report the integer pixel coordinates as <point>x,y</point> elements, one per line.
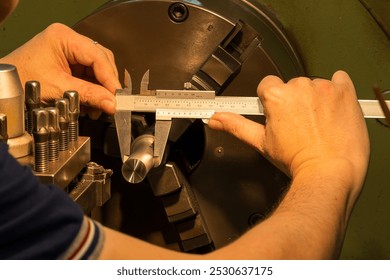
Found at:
<point>69,164</point>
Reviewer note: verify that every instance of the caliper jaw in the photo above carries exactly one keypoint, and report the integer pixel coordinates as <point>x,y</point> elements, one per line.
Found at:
<point>147,151</point>
<point>123,128</point>
<point>161,133</point>
<point>123,120</point>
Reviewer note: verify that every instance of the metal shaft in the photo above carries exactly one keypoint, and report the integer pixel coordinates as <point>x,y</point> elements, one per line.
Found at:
<point>74,112</point>
<point>41,137</point>
<point>63,112</point>
<point>141,161</point>
<point>33,101</point>
<point>12,100</point>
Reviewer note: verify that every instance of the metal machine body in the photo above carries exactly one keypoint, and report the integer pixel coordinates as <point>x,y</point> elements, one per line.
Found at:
<point>329,35</point>
<point>210,187</point>
<point>38,138</point>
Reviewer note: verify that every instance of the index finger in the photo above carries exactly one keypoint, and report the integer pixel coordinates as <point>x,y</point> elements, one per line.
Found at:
<point>77,49</point>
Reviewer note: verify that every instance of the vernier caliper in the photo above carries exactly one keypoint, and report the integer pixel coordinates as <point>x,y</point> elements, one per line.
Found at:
<point>186,104</point>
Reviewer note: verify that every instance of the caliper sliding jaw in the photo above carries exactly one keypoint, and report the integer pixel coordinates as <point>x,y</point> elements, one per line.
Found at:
<point>146,152</point>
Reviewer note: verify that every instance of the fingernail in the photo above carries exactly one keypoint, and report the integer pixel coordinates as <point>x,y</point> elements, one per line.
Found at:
<point>109,106</point>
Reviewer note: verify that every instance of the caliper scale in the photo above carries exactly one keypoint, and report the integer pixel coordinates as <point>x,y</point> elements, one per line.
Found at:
<point>183,104</point>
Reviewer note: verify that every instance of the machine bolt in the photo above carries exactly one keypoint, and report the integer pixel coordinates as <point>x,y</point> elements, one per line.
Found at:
<point>54,133</point>
<point>3,128</point>
<point>33,101</point>
<point>219,152</point>
<point>178,12</point>
<point>74,112</point>
<point>41,137</point>
<point>63,112</point>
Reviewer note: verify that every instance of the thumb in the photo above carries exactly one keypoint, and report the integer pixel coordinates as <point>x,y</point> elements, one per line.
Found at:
<point>242,128</point>
<point>94,95</point>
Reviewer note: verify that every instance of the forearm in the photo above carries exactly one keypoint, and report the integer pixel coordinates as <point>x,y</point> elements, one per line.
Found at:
<point>315,212</point>
<point>309,223</point>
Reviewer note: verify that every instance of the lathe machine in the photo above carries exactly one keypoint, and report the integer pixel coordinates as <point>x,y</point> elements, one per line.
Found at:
<point>171,181</point>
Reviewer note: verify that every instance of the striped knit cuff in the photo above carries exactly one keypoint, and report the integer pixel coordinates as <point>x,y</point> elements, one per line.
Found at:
<point>88,243</point>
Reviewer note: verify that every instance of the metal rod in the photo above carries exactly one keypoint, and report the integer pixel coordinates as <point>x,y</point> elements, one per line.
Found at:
<point>382,102</point>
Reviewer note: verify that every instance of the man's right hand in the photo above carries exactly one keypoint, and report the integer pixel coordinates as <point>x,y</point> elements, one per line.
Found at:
<point>309,124</point>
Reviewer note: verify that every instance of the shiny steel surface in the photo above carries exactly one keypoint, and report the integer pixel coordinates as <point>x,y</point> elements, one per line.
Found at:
<point>12,99</point>
<point>140,161</point>
<point>54,133</point>
<point>372,109</point>
<point>40,119</point>
<point>63,112</point>
<point>71,162</point>
<point>74,104</point>
<point>20,146</point>
<point>94,187</point>
<point>235,104</point>
<point>74,112</point>
<point>33,101</point>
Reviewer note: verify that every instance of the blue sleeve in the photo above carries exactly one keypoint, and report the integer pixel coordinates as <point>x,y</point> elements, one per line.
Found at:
<point>41,221</point>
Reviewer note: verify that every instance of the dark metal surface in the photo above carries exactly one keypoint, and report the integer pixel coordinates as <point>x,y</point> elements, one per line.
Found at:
<point>92,187</point>
<point>3,128</point>
<point>230,182</point>
<point>329,35</point>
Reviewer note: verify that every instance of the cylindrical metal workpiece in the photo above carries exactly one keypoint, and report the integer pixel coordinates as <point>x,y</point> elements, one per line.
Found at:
<point>54,133</point>
<point>32,90</point>
<point>74,112</point>
<point>141,161</point>
<point>12,99</point>
<point>63,113</point>
<point>41,137</point>
<point>3,128</point>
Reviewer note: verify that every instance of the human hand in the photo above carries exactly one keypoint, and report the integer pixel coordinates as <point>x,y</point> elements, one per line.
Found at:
<point>310,125</point>
<point>61,59</point>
